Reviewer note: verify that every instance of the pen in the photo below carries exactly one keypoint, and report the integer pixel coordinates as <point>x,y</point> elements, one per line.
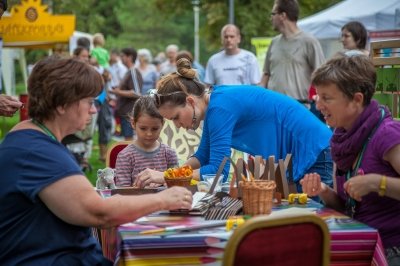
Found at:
<point>181,228</point>
<point>162,230</point>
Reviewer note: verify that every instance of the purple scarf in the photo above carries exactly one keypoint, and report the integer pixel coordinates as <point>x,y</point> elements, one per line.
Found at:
<point>346,145</point>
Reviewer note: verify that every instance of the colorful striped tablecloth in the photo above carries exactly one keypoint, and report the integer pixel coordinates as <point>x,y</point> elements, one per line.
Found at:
<point>352,243</point>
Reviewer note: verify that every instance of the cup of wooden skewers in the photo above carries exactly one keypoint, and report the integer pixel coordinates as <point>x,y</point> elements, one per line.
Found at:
<point>179,176</point>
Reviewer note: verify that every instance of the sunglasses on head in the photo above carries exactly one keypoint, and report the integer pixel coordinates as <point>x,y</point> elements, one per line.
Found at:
<point>158,98</point>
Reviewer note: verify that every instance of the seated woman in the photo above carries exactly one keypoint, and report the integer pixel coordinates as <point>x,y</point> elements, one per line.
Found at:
<point>248,118</point>
<point>365,147</point>
<point>47,204</point>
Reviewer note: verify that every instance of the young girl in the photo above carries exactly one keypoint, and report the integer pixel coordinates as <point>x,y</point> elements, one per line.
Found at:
<point>145,152</point>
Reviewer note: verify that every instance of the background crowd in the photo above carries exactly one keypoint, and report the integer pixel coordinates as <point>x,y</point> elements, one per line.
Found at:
<point>319,110</point>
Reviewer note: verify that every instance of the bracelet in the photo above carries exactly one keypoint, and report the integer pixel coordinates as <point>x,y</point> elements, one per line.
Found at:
<point>382,186</point>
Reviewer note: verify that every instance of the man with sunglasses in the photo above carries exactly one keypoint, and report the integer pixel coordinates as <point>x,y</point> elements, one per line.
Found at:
<point>292,56</point>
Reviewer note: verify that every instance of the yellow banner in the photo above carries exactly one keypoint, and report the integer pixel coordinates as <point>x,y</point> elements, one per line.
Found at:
<point>31,24</point>
<point>261,44</point>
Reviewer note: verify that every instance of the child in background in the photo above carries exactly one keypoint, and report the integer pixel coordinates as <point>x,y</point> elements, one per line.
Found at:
<point>146,153</point>
<point>102,55</point>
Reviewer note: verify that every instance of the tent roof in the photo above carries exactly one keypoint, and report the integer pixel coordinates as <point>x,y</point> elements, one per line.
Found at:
<point>375,15</point>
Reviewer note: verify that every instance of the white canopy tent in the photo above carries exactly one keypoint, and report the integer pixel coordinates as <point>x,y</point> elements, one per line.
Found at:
<point>375,15</point>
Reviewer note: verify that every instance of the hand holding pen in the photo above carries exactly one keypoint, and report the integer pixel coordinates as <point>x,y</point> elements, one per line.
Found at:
<point>9,105</point>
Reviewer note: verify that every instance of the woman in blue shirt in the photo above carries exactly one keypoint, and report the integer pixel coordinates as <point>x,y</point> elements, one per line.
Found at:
<point>248,118</point>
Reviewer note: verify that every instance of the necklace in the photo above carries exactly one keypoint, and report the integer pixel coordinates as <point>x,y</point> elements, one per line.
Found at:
<point>45,129</point>
<point>350,204</point>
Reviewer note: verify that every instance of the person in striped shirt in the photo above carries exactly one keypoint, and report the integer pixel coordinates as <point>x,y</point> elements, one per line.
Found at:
<point>145,153</point>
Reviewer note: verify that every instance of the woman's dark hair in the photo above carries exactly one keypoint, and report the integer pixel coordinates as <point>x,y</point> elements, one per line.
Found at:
<point>359,33</point>
<point>145,105</point>
<point>351,74</point>
<point>183,80</point>
<point>56,81</point>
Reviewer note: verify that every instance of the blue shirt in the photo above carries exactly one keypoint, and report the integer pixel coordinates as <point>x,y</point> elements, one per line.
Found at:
<point>30,233</point>
<point>262,122</point>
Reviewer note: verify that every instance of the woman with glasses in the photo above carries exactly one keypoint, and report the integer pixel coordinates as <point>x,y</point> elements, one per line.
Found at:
<point>365,147</point>
<point>47,203</point>
<point>244,117</point>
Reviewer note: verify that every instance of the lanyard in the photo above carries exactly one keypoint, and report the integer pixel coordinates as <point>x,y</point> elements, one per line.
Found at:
<point>45,129</point>
<point>350,202</point>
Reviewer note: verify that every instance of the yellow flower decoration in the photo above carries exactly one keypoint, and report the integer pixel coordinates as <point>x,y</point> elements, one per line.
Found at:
<point>179,172</point>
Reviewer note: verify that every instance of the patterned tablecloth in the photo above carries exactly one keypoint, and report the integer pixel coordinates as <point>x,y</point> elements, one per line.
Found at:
<point>352,243</point>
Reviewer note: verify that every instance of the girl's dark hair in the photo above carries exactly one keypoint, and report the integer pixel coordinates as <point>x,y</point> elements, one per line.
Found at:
<point>145,105</point>
<point>56,81</point>
<point>359,33</point>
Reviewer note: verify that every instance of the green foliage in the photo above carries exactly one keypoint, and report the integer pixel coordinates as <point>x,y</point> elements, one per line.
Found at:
<point>154,24</point>
<point>251,16</point>
<point>91,15</point>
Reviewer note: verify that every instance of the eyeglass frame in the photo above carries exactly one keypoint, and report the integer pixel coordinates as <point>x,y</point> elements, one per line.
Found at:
<point>157,97</point>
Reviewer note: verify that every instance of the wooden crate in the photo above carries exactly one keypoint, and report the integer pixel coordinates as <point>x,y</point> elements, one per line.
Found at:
<point>379,58</point>
<point>388,74</point>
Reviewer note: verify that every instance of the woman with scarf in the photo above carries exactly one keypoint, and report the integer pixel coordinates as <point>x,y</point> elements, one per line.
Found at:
<point>365,147</point>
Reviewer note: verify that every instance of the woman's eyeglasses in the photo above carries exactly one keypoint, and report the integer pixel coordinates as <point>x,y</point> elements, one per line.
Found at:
<point>158,97</point>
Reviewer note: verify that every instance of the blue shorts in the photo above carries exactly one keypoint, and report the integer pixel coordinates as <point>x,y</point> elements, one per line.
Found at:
<point>126,128</point>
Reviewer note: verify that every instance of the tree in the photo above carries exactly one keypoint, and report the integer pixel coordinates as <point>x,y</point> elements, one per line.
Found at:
<point>251,16</point>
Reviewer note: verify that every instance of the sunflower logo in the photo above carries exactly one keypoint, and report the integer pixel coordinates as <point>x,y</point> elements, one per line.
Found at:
<point>31,14</point>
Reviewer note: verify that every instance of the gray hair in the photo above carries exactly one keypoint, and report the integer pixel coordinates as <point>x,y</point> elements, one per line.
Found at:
<point>146,54</point>
<point>172,47</point>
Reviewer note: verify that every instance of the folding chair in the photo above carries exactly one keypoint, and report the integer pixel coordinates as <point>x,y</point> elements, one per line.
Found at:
<point>290,239</point>
<point>113,151</point>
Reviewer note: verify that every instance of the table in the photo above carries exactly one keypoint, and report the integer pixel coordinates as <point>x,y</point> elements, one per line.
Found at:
<point>352,243</point>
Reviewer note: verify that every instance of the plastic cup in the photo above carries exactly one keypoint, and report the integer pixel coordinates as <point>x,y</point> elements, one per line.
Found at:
<point>209,178</point>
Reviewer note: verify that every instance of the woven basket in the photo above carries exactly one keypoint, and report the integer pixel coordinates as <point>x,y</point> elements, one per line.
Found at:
<point>257,196</point>
<point>178,181</point>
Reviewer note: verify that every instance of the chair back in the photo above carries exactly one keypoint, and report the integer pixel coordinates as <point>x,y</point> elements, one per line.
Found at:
<point>112,152</point>
<point>289,239</point>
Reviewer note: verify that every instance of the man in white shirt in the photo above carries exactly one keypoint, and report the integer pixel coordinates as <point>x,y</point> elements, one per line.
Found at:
<point>233,65</point>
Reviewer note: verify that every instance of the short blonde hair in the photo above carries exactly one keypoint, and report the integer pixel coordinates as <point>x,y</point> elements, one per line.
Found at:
<point>98,39</point>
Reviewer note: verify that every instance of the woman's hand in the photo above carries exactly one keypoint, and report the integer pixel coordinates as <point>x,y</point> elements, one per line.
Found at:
<point>148,176</point>
<point>361,185</point>
<point>312,185</point>
<point>176,198</point>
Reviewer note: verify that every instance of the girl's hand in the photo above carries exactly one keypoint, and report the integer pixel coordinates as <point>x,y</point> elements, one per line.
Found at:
<point>312,185</point>
<point>361,185</point>
<point>148,176</point>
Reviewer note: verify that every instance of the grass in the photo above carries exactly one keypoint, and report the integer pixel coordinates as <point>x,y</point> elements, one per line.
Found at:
<point>8,122</point>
